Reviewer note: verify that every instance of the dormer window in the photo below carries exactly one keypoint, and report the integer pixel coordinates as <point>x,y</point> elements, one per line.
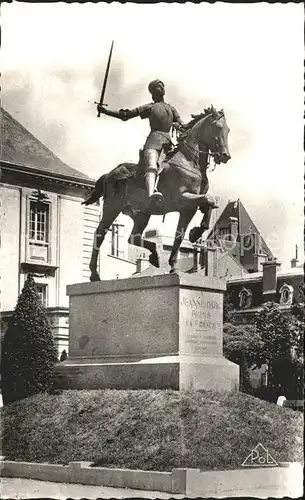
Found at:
<point>245,298</point>
<point>286,294</point>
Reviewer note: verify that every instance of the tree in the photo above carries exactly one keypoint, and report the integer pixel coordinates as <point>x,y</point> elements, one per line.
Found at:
<point>282,347</point>
<point>298,323</point>
<point>278,334</point>
<point>275,339</point>
<point>28,350</point>
<point>228,309</point>
<point>240,345</point>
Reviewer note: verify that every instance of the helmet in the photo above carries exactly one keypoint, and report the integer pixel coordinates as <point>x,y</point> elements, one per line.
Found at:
<point>153,85</point>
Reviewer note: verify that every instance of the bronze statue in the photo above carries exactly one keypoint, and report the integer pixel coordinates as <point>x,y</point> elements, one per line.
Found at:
<point>183,182</point>
<point>162,117</point>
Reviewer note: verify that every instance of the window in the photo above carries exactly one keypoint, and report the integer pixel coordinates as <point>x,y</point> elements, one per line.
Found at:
<point>42,292</point>
<point>38,232</point>
<point>224,231</point>
<point>117,233</point>
<point>39,222</point>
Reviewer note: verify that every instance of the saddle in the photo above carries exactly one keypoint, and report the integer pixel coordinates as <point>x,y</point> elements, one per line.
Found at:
<point>137,171</point>
<point>165,155</point>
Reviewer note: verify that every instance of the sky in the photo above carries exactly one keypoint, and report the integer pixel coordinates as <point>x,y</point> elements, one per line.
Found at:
<point>245,58</point>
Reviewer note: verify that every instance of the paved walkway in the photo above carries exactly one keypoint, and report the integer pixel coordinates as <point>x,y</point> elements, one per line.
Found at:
<point>17,488</point>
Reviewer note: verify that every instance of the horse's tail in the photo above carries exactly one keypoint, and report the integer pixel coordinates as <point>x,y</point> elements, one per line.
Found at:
<point>98,192</point>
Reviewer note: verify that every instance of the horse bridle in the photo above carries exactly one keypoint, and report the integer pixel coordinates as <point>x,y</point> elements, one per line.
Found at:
<point>192,153</point>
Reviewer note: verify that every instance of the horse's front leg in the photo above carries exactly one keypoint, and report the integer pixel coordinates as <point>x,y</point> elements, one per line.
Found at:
<point>192,200</point>
<point>206,203</point>
<point>183,222</point>
<point>99,236</point>
<point>197,231</point>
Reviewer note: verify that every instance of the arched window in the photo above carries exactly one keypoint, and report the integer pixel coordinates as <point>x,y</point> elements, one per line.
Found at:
<point>245,298</point>
<point>286,294</point>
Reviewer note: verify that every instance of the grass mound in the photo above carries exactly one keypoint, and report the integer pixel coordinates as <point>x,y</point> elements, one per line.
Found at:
<point>151,430</point>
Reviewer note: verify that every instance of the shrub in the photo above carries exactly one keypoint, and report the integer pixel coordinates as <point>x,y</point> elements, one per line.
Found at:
<point>63,355</point>
<point>28,350</point>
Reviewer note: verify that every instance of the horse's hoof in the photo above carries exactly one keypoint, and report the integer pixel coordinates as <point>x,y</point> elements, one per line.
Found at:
<point>154,260</point>
<point>195,233</point>
<point>95,277</point>
<point>173,270</point>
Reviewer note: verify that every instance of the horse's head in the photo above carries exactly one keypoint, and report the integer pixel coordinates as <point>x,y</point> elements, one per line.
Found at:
<point>212,134</point>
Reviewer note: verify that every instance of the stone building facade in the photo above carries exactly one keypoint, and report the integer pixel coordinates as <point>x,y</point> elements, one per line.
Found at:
<point>45,230</point>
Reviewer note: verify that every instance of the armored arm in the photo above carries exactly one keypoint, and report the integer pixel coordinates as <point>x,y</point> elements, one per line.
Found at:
<point>122,114</point>
<point>177,123</point>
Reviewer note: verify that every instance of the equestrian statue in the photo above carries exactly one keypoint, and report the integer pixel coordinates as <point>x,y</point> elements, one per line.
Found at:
<point>166,179</point>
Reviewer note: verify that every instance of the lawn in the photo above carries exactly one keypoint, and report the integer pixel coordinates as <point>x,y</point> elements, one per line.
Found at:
<point>151,430</point>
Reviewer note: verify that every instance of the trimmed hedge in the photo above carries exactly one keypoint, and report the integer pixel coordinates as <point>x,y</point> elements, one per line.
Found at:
<point>28,350</point>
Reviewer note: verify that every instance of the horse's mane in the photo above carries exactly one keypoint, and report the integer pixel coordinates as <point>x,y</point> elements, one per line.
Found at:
<point>195,119</point>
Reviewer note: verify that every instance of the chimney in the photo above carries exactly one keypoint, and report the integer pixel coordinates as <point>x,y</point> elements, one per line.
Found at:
<point>141,264</point>
<point>234,228</point>
<point>270,268</point>
<point>258,260</point>
<point>294,262</point>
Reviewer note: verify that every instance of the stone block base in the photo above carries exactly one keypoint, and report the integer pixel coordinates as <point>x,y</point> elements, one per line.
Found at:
<point>168,372</point>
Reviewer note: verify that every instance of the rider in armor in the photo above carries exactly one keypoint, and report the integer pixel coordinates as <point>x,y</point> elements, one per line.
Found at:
<point>162,117</point>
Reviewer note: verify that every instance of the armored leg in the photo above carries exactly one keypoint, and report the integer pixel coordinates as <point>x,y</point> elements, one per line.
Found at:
<point>150,181</point>
<point>150,157</point>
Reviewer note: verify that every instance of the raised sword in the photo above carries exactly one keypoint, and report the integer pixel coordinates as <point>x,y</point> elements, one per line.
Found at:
<point>101,103</point>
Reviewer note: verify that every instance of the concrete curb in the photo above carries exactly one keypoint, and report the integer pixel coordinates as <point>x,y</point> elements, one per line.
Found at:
<point>287,478</point>
<point>82,473</point>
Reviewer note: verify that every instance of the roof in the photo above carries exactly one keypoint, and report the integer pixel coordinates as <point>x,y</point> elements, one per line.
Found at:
<point>19,146</point>
<point>254,282</point>
<point>245,223</point>
<point>226,264</point>
<point>258,276</point>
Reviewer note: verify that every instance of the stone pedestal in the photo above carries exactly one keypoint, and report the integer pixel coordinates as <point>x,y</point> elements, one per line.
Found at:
<point>155,332</point>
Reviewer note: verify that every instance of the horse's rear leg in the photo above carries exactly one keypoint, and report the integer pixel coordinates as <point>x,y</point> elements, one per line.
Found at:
<point>109,215</point>
<point>140,223</point>
<point>183,222</point>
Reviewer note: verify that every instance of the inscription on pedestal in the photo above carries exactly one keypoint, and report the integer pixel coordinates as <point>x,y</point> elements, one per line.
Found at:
<point>200,318</point>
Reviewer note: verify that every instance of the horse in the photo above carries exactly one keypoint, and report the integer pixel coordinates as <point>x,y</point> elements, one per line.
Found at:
<point>182,181</point>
